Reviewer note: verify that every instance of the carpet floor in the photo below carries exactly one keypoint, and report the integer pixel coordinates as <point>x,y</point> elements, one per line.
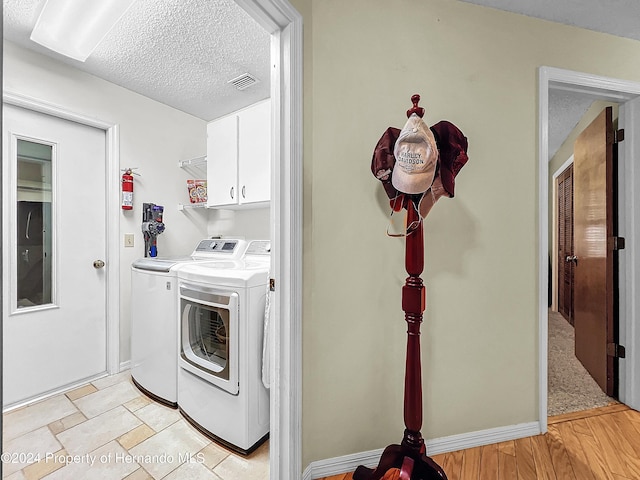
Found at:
<point>571,388</point>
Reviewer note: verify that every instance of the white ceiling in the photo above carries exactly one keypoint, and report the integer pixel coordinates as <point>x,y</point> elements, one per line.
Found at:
<point>183,52</point>
<point>178,52</point>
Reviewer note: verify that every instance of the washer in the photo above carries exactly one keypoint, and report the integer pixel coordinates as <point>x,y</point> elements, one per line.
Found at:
<point>154,316</point>
<point>220,389</point>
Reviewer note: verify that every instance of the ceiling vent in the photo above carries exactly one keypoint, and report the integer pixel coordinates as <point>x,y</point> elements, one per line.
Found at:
<point>244,81</point>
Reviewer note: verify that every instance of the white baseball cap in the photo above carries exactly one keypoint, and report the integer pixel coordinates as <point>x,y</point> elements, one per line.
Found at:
<point>416,155</point>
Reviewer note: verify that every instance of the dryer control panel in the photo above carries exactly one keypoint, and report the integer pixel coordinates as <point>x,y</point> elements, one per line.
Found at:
<point>232,247</point>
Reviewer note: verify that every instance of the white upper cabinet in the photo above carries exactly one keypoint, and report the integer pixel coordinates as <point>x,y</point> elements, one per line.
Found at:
<point>222,161</point>
<point>239,157</point>
<point>254,152</point>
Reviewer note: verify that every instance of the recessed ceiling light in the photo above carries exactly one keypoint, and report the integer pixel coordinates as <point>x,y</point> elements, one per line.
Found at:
<point>74,28</point>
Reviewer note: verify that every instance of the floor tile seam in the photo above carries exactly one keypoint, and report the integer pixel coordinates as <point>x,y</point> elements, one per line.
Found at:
<point>168,473</point>
<point>101,445</point>
<point>149,400</point>
<point>4,422</point>
<point>143,469</point>
<point>52,432</point>
<point>217,465</point>
<point>142,420</point>
<point>162,429</point>
<point>127,379</point>
<point>222,460</point>
<point>81,396</point>
<point>121,404</point>
<point>92,452</point>
<point>5,441</point>
<point>56,454</point>
<point>105,389</point>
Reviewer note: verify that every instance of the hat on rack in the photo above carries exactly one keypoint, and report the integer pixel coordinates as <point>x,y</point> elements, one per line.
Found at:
<point>416,157</point>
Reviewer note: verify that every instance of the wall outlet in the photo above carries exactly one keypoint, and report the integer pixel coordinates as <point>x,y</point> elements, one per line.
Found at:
<point>128,239</point>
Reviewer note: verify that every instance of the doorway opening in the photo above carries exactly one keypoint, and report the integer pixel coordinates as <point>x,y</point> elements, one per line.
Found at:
<point>594,88</point>
<point>578,312</point>
<point>284,24</point>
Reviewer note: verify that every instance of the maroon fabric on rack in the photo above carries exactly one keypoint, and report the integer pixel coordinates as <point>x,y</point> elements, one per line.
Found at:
<point>383,160</point>
<point>452,145</point>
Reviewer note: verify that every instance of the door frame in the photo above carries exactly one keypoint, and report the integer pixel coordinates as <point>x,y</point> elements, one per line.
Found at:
<point>112,161</point>
<point>284,23</point>
<point>604,88</point>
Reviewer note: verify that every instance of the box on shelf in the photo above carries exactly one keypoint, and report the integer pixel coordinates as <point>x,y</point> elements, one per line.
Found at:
<point>197,191</point>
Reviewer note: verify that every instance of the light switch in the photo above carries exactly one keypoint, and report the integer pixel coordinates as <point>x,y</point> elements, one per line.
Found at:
<point>128,239</point>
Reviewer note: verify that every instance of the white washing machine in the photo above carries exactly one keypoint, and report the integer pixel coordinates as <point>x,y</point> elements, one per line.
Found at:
<point>220,389</point>
<point>154,316</point>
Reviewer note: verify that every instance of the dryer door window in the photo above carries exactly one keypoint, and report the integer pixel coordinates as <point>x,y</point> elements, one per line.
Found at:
<point>208,337</point>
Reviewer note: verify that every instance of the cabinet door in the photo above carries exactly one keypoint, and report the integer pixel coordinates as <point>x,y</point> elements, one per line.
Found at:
<point>254,147</point>
<point>222,161</point>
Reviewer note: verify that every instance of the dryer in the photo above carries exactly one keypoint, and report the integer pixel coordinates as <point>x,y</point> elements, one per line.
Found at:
<point>222,310</point>
<point>154,316</point>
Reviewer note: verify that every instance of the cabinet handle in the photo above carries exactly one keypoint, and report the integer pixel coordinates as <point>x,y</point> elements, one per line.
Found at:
<point>243,187</point>
<point>231,192</point>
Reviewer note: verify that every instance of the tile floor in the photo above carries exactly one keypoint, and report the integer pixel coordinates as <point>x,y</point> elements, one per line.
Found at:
<point>109,430</point>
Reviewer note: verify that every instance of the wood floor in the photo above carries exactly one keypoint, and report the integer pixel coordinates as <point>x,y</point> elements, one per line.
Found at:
<point>599,444</point>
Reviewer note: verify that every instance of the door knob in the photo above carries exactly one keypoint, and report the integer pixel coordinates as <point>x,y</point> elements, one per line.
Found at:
<point>571,258</point>
<point>98,264</point>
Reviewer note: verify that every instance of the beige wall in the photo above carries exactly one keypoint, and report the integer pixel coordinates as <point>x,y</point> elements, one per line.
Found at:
<point>478,68</point>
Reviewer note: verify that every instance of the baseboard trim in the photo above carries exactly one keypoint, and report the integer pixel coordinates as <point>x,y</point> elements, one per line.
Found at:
<point>348,463</point>
<point>52,393</point>
<point>126,365</point>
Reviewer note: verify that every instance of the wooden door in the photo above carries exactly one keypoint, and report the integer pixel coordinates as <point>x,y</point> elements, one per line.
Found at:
<point>593,234</point>
<point>565,258</point>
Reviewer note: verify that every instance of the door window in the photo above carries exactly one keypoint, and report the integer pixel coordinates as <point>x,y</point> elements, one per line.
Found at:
<point>34,226</point>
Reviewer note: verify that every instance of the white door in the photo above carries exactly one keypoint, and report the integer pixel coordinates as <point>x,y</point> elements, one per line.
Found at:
<point>54,225</point>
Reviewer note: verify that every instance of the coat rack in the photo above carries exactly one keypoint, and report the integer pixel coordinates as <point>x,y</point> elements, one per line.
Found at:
<point>410,456</point>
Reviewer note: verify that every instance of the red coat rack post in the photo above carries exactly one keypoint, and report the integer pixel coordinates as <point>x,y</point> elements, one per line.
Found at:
<point>410,456</point>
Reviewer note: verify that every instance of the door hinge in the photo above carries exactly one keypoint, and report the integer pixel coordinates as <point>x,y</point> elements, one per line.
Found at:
<point>272,284</point>
<point>615,350</point>
<point>618,136</point>
<point>616,243</point>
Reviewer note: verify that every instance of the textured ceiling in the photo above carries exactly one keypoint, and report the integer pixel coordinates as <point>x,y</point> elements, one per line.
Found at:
<point>565,111</point>
<point>178,52</point>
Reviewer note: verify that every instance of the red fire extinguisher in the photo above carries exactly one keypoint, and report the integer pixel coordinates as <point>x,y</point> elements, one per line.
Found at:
<point>127,189</point>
